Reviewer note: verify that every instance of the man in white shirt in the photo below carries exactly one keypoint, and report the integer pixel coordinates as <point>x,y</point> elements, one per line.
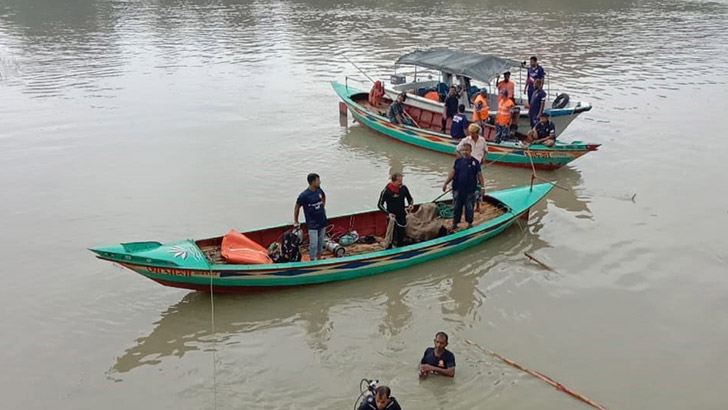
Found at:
<point>480,147</point>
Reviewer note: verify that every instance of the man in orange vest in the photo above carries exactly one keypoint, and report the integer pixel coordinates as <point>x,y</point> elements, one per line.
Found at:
<point>504,116</point>
<point>481,109</point>
<point>507,84</point>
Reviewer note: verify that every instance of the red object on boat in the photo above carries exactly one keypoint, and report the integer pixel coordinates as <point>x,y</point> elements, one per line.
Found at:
<point>238,248</point>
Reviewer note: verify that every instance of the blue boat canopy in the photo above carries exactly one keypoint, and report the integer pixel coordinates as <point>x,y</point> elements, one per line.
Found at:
<point>481,67</point>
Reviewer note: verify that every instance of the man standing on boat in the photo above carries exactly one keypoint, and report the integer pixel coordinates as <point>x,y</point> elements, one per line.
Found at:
<point>477,143</point>
<point>465,176</point>
<point>459,123</point>
<point>537,102</point>
<point>313,202</point>
<point>481,111</point>
<point>396,113</point>
<point>535,72</point>
<point>438,359</point>
<point>450,109</point>
<point>478,150</point>
<point>504,116</point>
<point>393,196</point>
<point>509,85</point>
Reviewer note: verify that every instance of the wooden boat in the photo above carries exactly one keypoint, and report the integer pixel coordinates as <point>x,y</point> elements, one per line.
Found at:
<point>427,135</point>
<point>197,264</point>
<point>486,68</point>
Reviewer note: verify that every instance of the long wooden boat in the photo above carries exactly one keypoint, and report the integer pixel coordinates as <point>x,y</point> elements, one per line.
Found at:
<point>455,65</point>
<point>427,135</point>
<point>198,265</point>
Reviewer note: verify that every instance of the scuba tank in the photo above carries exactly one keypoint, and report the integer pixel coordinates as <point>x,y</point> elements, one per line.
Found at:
<point>335,248</point>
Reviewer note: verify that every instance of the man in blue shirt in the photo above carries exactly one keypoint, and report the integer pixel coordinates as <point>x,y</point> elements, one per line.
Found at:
<point>535,72</point>
<point>537,102</point>
<point>438,359</point>
<point>465,176</point>
<point>313,202</point>
<point>459,123</point>
<point>544,132</point>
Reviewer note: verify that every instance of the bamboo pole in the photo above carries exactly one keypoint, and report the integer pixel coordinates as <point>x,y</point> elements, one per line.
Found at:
<point>533,258</point>
<point>540,376</point>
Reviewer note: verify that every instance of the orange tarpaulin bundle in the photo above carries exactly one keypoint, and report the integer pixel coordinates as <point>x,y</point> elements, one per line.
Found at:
<point>238,248</point>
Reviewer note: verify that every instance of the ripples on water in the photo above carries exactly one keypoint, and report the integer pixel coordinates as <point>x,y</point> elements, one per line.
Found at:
<point>182,93</point>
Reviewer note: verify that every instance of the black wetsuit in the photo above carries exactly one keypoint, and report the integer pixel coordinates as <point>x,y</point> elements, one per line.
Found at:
<point>395,204</point>
<point>369,404</point>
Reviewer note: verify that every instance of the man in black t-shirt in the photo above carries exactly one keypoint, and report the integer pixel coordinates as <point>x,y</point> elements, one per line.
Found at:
<point>393,196</point>
<point>438,359</point>
<point>451,107</point>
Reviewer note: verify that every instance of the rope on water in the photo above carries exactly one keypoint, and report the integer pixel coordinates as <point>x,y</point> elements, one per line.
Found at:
<point>540,376</point>
<point>214,347</point>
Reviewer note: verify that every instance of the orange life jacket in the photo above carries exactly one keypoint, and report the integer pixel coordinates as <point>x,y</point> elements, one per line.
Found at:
<point>482,114</point>
<point>433,95</point>
<point>510,86</point>
<point>504,111</point>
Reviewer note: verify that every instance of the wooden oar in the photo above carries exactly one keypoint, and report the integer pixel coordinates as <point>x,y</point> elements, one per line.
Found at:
<point>539,375</point>
<point>533,258</point>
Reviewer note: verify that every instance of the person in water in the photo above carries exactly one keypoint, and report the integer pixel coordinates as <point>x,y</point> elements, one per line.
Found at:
<point>381,400</point>
<point>396,113</point>
<point>537,102</point>
<point>535,72</point>
<point>313,202</point>
<point>451,108</point>
<point>438,359</point>
<point>544,132</point>
<point>466,179</point>
<point>392,201</point>
<point>376,94</point>
<point>459,123</point>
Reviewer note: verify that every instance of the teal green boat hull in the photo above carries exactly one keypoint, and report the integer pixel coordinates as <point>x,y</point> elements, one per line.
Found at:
<point>182,263</point>
<point>506,153</point>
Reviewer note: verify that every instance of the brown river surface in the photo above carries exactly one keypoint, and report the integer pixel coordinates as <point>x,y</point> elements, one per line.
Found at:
<point>160,120</point>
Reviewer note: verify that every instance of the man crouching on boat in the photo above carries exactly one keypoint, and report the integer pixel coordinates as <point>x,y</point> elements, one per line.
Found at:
<point>381,400</point>
<point>313,201</point>
<point>393,196</point>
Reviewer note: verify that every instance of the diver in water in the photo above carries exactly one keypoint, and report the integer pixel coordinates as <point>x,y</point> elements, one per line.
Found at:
<point>381,399</point>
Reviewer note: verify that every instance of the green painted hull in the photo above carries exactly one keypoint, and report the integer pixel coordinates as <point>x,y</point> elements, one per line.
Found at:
<point>181,263</point>
<point>507,153</point>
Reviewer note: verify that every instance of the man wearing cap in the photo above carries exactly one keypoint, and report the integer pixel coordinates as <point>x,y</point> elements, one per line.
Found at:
<point>544,132</point>
<point>507,84</point>
<point>504,116</point>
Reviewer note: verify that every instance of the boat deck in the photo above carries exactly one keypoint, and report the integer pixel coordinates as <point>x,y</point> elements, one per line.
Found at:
<point>487,212</point>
